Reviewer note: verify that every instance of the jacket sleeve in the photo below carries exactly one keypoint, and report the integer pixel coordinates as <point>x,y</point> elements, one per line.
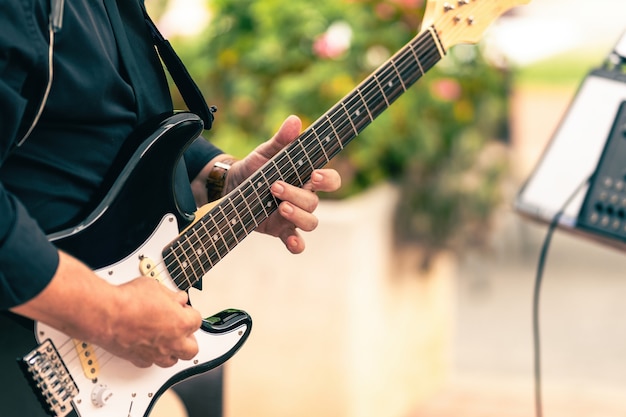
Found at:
<point>198,154</point>
<point>27,259</point>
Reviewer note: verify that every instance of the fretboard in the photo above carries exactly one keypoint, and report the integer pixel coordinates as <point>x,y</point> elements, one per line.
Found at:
<point>212,237</point>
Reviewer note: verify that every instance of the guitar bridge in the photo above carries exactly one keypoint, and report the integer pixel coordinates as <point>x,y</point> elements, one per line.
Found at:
<point>50,379</point>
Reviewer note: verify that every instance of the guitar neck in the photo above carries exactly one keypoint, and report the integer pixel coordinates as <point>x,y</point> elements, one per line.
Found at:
<point>239,213</point>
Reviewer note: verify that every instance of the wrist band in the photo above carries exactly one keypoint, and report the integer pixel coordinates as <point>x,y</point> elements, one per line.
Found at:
<point>216,179</point>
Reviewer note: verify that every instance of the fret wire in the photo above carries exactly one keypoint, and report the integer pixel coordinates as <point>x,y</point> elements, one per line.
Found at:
<point>322,156</point>
<point>407,67</point>
<point>232,213</point>
<point>311,151</point>
<point>306,155</point>
<point>194,264</point>
<point>188,247</point>
<point>198,258</point>
<point>393,65</point>
<point>230,226</point>
<point>326,139</point>
<point>382,92</point>
<point>416,58</point>
<point>295,168</point>
<point>327,132</point>
<point>248,223</point>
<point>170,262</point>
<point>289,174</point>
<point>369,95</point>
<point>217,236</point>
<point>272,202</point>
<point>365,104</point>
<point>405,64</point>
<point>387,77</point>
<point>259,200</point>
<point>376,80</point>
<point>343,106</point>
<point>207,237</point>
<point>396,70</point>
<point>316,153</point>
<point>332,126</point>
<point>176,269</point>
<point>272,171</point>
<point>254,213</point>
<point>204,250</point>
<point>183,272</point>
<point>344,128</point>
<point>318,145</point>
<point>237,208</point>
<point>301,155</point>
<point>321,145</point>
<point>431,56</point>
<point>360,119</point>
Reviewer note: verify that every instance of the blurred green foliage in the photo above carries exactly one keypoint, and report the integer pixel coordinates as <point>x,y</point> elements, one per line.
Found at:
<point>259,61</point>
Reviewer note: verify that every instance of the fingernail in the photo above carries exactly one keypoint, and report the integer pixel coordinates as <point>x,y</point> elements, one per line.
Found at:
<point>287,209</point>
<point>278,188</point>
<point>317,177</point>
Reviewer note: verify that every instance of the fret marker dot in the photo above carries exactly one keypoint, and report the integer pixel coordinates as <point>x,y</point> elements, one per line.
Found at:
<point>233,222</point>
<point>327,138</point>
<point>199,251</point>
<point>259,185</point>
<point>390,84</point>
<point>215,237</point>
<point>269,204</point>
<point>358,112</point>
<point>300,162</point>
<point>185,264</point>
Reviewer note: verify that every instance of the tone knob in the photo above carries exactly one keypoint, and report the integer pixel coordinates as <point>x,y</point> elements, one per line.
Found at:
<point>100,395</point>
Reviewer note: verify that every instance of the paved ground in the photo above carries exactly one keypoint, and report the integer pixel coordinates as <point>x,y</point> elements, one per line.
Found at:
<point>583,330</point>
<point>582,307</point>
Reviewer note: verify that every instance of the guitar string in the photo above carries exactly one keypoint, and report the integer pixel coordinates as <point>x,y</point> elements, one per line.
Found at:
<point>318,157</point>
<point>371,96</point>
<point>399,64</point>
<point>245,225</point>
<point>359,98</point>
<point>69,349</point>
<point>226,240</point>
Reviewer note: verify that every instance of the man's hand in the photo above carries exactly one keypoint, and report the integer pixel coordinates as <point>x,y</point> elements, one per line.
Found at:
<point>296,208</point>
<point>141,321</point>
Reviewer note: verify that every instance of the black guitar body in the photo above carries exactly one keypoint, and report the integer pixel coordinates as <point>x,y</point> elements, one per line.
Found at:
<point>137,193</point>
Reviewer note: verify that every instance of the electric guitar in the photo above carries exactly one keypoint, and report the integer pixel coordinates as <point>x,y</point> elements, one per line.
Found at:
<point>136,228</point>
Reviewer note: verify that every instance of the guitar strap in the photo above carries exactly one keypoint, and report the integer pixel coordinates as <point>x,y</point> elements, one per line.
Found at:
<point>187,87</point>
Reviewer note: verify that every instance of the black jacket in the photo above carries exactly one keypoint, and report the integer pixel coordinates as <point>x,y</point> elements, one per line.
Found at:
<point>107,81</point>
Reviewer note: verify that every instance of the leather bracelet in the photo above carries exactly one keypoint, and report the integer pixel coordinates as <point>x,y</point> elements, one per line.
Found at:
<point>216,180</point>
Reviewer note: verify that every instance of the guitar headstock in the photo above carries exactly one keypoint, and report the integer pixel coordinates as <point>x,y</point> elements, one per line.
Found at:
<point>464,21</point>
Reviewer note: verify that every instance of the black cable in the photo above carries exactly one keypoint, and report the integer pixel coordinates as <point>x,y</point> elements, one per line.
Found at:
<point>538,280</point>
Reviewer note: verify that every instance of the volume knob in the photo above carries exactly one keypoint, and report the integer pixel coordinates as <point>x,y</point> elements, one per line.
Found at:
<point>100,395</point>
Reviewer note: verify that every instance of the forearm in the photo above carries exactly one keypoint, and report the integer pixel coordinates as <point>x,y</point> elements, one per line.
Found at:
<point>140,320</point>
<point>74,300</point>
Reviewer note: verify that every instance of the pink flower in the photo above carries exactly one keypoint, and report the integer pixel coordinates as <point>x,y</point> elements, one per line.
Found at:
<point>334,42</point>
<point>446,89</point>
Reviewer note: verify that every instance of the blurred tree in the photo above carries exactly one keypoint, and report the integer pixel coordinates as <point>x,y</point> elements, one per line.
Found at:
<point>259,61</point>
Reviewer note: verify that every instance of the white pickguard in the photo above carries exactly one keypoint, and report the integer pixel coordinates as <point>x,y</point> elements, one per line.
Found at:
<point>133,390</point>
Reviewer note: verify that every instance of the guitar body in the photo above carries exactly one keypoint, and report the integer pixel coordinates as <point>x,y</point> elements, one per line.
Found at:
<point>133,390</point>
<point>135,229</point>
<point>123,238</point>
<point>138,192</point>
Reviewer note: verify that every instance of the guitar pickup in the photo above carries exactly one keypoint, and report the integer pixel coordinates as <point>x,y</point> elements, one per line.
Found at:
<point>50,379</point>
